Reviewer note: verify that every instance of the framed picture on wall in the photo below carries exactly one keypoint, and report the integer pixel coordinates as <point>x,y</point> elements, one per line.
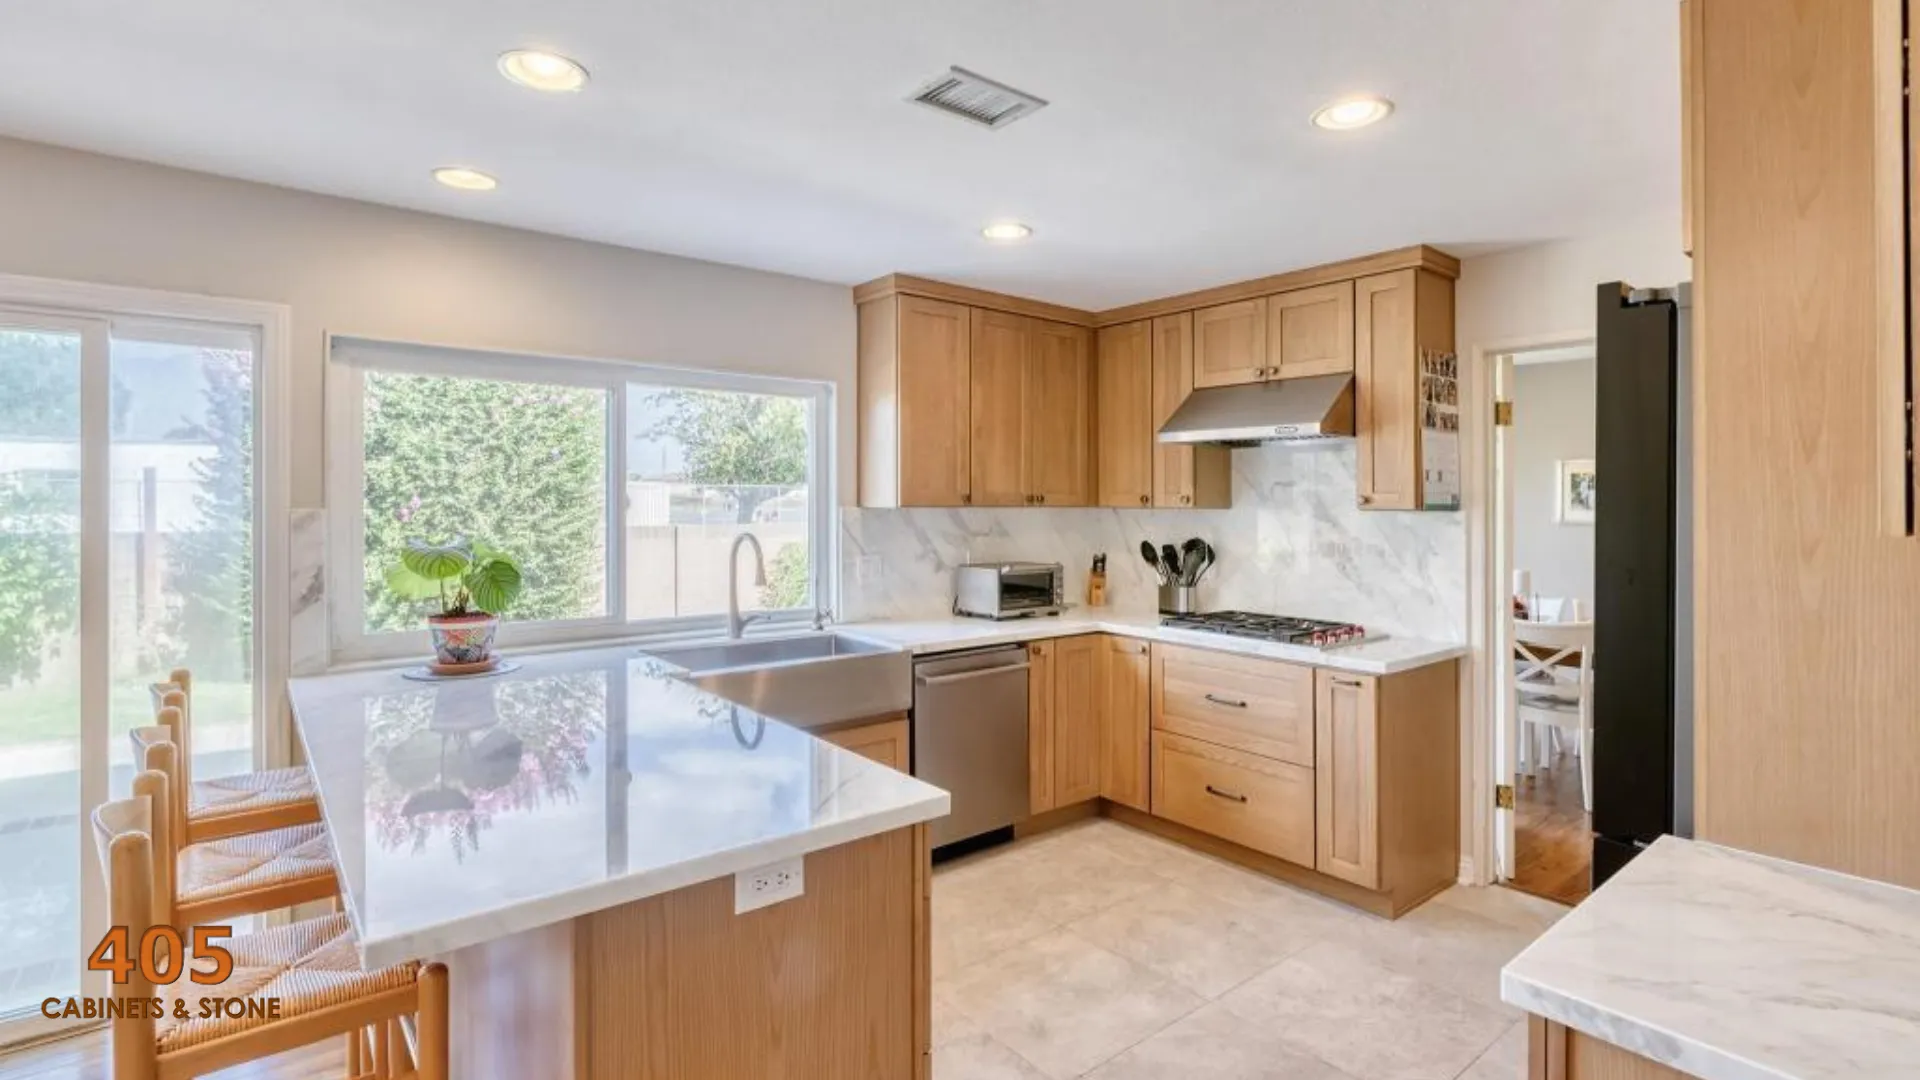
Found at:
<point>1575,494</point>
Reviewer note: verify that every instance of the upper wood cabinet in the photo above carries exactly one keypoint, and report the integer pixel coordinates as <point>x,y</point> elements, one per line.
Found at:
<point>1058,445</point>
<point>1397,316</point>
<point>1230,344</point>
<point>1124,408</point>
<point>915,365</point>
<point>1125,721</point>
<point>997,404</point>
<point>1077,694</point>
<point>1310,331</point>
<point>1184,475</point>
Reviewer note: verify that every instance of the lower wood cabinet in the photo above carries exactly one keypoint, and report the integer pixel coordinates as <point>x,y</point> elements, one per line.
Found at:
<point>1254,801</point>
<point>1040,656</point>
<point>885,741</point>
<point>1557,1052</point>
<point>1125,721</point>
<point>1260,706</point>
<point>1076,719</point>
<point>1074,754</point>
<point>1347,768</point>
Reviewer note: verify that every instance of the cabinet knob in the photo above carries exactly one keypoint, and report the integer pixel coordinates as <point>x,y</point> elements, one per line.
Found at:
<point>1366,500</point>
<point>1185,499</point>
<point>966,499</point>
<point>1041,499</point>
<point>1144,500</point>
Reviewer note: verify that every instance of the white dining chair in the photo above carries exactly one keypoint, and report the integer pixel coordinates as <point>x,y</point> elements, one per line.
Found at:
<point>1553,679</point>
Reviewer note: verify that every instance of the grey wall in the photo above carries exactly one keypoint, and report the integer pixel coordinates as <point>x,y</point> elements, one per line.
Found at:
<point>1553,418</point>
<point>354,268</point>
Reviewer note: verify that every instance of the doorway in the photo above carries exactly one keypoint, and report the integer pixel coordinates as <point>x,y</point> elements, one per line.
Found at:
<point>132,542</point>
<point>1544,510</point>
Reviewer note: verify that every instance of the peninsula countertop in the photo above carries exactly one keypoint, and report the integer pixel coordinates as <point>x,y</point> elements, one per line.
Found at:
<point>465,811</point>
<point>1733,966</point>
<point>1382,656</point>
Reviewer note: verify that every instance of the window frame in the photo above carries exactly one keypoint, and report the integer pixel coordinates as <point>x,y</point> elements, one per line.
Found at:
<point>345,466</point>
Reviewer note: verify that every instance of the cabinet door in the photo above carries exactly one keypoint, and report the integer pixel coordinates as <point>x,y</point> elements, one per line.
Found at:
<point>1123,414</point>
<point>1230,344</point>
<point>885,742</point>
<point>1076,720</point>
<point>1184,475</point>
<point>1040,726</point>
<point>1254,801</point>
<point>1124,723</point>
<point>934,433</point>
<point>1347,778</point>
<point>1386,388</point>
<point>1310,331</point>
<point>998,406</point>
<point>1058,459</point>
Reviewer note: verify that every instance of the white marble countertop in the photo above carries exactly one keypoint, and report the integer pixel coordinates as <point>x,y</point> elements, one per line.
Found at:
<point>1382,656</point>
<point>466,811</point>
<point>1733,966</point>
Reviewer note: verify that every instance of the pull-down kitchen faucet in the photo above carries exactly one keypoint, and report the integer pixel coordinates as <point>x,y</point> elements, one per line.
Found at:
<point>736,622</point>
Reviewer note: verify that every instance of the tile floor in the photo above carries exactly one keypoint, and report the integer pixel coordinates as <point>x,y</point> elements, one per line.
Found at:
<point>1103,952</point>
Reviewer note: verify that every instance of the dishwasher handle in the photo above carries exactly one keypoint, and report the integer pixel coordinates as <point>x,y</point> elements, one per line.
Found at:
<point>976,673</point>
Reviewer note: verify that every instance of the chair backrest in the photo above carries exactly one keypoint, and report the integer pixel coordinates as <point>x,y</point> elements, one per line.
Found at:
<point>123,839</point>
<point>176,694</point>
<point>159,763</point>
<point>1544,646</point>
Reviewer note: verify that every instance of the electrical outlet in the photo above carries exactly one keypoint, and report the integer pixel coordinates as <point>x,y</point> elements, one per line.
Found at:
<point>867,569</point>
<point>769,884</point>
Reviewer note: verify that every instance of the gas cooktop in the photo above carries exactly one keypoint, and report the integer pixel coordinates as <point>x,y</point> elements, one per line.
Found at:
<point>1286,629</point>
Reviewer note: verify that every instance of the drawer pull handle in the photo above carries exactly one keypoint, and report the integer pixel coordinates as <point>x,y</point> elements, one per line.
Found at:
<point>1211,790</point>
<point>1228,702</point>
<point>1346,682</point>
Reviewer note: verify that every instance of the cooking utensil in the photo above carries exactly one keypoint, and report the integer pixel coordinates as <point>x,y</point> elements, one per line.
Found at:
<point>1170,559</point>
<point>1189,560</point>
<point>1206,561</point>
<point>1153,560</point>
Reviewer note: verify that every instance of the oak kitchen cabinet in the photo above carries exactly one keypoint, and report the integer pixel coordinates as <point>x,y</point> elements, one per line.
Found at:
<point>1063,721</point>
<point>915,375</point>
<point>1126,720</point>
<point>1397,316</point>
<point>1144,373</point>
<point>887,741</point>
<point>1230,343</point>
<point>1031,406</point>
<point>1310,331</point>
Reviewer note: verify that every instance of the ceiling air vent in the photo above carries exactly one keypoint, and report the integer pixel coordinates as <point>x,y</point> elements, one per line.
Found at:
<point>973,97</point>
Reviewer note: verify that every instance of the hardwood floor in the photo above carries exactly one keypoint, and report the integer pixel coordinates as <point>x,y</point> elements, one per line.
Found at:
<point>85,1057</point>
<point>1553,842</point>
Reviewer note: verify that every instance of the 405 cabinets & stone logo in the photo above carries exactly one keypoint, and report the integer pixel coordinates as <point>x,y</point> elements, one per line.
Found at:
<point>160,957</point>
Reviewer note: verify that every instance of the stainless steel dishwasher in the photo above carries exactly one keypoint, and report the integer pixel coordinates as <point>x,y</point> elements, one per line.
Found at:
<point>970,737</point>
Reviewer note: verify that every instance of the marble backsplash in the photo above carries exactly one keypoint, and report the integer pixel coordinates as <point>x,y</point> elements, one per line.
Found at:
<point>1294,543</point>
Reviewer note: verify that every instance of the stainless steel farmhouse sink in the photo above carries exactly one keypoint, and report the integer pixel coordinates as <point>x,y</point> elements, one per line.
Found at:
<point>809,681</point>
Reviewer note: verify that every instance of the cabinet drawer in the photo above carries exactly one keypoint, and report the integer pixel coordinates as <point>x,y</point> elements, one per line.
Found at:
<point>1264,707</point>
<point>1253,801</point>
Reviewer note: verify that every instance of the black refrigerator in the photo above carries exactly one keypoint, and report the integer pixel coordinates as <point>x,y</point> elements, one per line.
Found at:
<point>1642,611</point>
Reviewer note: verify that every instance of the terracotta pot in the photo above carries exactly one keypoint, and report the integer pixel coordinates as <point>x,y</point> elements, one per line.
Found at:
<point>461,640</point>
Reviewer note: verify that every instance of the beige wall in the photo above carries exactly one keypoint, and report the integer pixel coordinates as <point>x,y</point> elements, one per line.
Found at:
<point>1553,419</point>
<point>351,267</point>
<point>1545,289</point>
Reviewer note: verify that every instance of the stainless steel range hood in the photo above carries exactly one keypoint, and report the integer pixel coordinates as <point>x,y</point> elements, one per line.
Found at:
<point>1284,410</point>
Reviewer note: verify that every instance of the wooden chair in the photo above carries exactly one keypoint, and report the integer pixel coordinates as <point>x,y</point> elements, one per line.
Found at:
<point>230,805</point>
<point>394,1019</point>
<point>1548,701</point>
<point>217,880</point>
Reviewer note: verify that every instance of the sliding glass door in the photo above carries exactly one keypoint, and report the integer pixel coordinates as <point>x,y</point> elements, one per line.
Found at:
<point>127,548</point>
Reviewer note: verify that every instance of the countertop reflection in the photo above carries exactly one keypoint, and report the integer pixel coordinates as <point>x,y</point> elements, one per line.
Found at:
<point>469,810</point>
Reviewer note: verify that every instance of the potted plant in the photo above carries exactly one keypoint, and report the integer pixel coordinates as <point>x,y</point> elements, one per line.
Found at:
<point>472,583</point>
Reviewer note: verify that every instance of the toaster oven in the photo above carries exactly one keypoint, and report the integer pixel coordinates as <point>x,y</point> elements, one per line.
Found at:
<point>1009,590</point>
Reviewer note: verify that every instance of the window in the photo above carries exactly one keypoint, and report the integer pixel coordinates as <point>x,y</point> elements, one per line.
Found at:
<point>619,488</point>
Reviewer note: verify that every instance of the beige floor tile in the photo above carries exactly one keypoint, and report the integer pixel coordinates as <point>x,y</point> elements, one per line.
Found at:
<point>1217,1045</point>
<point>1509,906</point>
<point>1506,1059</point>
<point>982,909</point>
<point>1337,1003</point>
<point>949,1023</point>
<point>1207,944</point>
<point>1066,1004</point>
<point>980,1057</point>
<point>1449,947</point>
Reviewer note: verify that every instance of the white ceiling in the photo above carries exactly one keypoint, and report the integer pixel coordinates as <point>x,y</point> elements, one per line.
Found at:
<point>1176,152</point>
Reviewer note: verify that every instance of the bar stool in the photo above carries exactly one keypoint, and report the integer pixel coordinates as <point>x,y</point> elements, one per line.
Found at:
<point>230,805</point>
<point>311,966</point>
<point>216,880</point>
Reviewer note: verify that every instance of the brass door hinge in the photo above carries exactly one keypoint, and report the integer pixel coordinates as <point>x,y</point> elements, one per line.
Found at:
<point>1503,414</point>
<point>1503,796</point>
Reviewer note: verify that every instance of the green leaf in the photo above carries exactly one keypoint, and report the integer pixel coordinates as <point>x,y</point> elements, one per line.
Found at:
<point>494,584</point>
<point>407,585</point>
<point>436,561</point>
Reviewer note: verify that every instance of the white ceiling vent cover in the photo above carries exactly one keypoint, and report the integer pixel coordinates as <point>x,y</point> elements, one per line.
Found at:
<point>973,97</point>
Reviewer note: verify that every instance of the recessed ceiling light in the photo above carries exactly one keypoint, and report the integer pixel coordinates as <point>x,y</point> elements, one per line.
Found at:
<point>540,70</point>
<point>1007,231</point>
<point>1350,113</point>
<point>455,176</point>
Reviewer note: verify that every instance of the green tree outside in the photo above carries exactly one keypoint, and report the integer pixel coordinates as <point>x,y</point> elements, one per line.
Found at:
<point>211,579</point>
<point>518,466</point>
<point>751,442</point>
<point>39,511</point>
